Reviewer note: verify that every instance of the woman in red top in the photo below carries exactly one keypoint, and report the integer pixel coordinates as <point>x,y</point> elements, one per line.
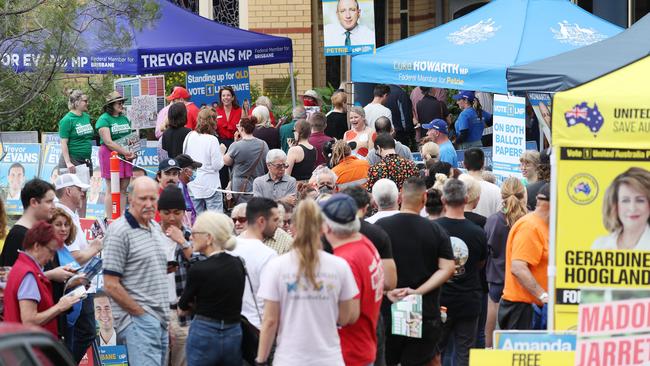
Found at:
<point>228,115</point>
<point>28,294</point>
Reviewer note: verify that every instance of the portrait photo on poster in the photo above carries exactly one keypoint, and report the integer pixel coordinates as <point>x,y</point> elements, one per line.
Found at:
<point>626,212</point>
<point>349,27</point>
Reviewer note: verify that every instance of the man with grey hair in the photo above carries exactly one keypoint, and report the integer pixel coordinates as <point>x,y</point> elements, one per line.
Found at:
<point>386,197</point>
<point>463,293</point>
<point>135,277</point>
<point>276,184</point>
<point>325,180</point>
<point>383,125</point>
<point>359,340</point>
<point>286,130</point>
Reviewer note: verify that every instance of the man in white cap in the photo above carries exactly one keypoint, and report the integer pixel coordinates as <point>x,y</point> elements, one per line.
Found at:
<point>70,191</point>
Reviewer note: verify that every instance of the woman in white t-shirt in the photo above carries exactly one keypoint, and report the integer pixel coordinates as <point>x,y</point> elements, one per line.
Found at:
<point>307,292</point>
<point>203,146</point>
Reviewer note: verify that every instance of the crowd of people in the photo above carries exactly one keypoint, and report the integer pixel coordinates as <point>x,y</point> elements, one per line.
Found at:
<point>266,241</point>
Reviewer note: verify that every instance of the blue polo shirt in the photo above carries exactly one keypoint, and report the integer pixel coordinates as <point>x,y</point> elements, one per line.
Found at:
<point>468,120</point>
<point>448,154</point>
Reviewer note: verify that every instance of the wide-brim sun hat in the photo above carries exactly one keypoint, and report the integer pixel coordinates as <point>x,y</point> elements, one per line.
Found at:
<point>113,97</point>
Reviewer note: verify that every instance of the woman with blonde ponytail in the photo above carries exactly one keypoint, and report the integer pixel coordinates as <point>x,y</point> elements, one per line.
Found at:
<point>497,228</point>
<point>307,292</point>
<point>214,291</point>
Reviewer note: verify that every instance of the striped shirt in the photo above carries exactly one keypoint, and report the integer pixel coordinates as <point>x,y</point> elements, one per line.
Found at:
<point>137,255</point>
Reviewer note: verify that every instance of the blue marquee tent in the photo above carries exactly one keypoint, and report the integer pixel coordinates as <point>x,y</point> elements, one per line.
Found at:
<point>580,66</point>
<point>178,40</point>
<point>474,51</point>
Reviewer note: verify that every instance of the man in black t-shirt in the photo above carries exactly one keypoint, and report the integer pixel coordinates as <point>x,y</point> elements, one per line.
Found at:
<point>463,291</point>
<point>430,108</point>
<point>37,197</point>
<point>424,259</point>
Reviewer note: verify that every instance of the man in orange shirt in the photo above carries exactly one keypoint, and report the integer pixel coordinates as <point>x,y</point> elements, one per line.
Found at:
<point>526,277</point>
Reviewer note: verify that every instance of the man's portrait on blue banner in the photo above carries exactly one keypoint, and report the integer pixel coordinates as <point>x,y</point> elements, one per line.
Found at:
<point>50,162</point>
<point>349,27</point>
<point>20,164</point>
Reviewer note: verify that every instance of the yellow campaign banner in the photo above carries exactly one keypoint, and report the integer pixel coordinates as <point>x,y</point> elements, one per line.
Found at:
<point>488,357</point>
<point>601,137</point>
<point>611,111</point>
<point>602,236</point>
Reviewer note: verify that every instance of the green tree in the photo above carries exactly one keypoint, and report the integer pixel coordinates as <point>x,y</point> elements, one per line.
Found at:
<point>52,31</point>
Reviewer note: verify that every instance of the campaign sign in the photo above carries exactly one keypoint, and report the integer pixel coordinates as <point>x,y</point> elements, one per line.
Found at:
<point>20,164</point>
<point>489,357</point>
<point>147,158</point>
<point>50,138</point>
<point>204,85</point>
<point>348,27</point>
<point>95,196</point>
<point>509,136</point>
<point>113,355</point>
<point>534,340</point>
<point>541,103</point>
<point>613,328</point>
<point>50,162</point>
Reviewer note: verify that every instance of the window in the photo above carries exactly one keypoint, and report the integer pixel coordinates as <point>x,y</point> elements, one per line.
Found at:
<point>403,19</point>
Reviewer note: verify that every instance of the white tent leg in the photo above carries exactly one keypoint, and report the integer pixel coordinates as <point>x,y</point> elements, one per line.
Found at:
<point>293,86</point>
<point>552,245</point>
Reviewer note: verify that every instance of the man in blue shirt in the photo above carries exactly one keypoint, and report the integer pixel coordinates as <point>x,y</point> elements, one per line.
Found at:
<point>470,122</point>
<point>437,130</point>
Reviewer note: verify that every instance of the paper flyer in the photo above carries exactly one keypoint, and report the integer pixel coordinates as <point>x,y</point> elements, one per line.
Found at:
<point>407,316</point>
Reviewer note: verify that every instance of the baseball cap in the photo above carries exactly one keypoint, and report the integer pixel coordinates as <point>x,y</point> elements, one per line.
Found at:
<point>544,193</point>
<point>438,125</point>
<point>168,164</point>
<point>340,208</point>
<point>186,161</point>
<point>178,93</point>
<point>69,180</point>
<point>467,94</point>
<point>171,198</point>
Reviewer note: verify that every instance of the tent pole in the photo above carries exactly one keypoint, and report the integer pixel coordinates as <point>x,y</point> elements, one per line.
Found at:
<point>293,87</point>
<point>552,245</point>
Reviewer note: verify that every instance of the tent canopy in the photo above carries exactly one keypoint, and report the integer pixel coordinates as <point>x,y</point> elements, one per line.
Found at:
<point>474,51</point>
<point>178,40</point>
<point>611,111</point>
<point>579,66</point>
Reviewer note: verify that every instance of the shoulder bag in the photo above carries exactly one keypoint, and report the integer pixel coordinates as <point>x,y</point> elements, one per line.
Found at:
<point>250,334</point>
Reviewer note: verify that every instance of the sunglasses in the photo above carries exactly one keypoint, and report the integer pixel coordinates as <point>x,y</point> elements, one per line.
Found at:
<point>287,222</point>
<point>241,220</point>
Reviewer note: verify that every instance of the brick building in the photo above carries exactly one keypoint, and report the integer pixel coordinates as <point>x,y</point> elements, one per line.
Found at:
<point>302,21</point>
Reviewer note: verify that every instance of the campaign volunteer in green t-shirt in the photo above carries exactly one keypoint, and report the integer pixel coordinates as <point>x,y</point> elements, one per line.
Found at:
<point>76,135</point>
<point>113,125</point>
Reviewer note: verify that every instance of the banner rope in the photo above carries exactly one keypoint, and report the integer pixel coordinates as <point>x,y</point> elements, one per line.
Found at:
<point>227,191</point>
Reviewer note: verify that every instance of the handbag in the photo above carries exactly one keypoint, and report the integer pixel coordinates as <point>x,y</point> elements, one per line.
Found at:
<point>250,334</point>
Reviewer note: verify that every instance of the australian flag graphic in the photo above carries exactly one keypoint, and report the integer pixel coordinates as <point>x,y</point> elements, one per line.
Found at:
<point>589,117</point>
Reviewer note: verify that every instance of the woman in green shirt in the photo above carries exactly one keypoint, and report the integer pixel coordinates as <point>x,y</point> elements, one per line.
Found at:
<point>76,135</point>
<point>113,125</point>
